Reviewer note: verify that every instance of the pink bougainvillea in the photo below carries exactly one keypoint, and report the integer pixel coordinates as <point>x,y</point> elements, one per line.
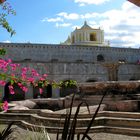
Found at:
<point>22,76</point>
<point>11,89</point>
<point>40,90</point>
<point>5,106</point>
<point>2,83</point>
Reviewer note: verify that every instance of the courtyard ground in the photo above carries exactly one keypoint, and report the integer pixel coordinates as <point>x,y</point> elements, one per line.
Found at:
<point>21,134</point>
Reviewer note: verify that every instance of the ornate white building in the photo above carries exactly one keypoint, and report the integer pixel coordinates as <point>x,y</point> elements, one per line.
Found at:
<point>86,35</point>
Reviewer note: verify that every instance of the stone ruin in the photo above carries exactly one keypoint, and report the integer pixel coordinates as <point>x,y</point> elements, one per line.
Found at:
<point>120,96</point>
<point>119,111</point>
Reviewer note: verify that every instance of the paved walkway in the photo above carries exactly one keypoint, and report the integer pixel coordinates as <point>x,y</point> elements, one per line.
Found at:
<point>21,134</point>
<point>106,136</point>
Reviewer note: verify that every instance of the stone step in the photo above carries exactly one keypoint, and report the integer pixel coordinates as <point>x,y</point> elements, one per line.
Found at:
<point>44,113</point>
<point>81,122</point>
<point>60,129</point>
<point>30,111</point>
<point>15,116</point>
<point>116,114</point>
<point>135,115</point>
<point>96,129</point>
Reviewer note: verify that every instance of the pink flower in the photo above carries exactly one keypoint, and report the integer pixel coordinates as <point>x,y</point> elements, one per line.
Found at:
<point>2,83</point>
<point>45,75</point>
<point>24,70</point>
<point>40,90</point>
<point>34,72</point>
<point>13,75</point>
<point>23,75</point>
<point>19,84</point>
<point>11,89</point>
<point>42,79</point>
<point>31,80</point>
<point>5,106</point>
<point>9,60</point>
<point>25,89</point>
<point>13,67</point>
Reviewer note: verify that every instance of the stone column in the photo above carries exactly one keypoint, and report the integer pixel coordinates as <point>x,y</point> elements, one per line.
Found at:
<point>88,37</point>
<point>29,93</point>
<point>55,92</point>
<point>83,34</point>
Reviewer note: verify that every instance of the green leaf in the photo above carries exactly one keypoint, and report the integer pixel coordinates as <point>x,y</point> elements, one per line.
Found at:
<point>12,82</point>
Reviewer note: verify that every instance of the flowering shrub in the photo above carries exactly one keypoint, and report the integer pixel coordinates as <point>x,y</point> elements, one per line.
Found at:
<point>4,106</point>
<point>23,77</point>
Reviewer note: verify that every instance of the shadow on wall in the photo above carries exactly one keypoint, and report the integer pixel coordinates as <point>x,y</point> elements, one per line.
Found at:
<point>47,92</point>
<point>19,93</point>
<point>68,87</point>
<point>92,80</point>
<point>100,58</point>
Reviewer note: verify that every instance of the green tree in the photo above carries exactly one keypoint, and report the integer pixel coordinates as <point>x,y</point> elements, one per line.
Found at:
<point>6,10</point>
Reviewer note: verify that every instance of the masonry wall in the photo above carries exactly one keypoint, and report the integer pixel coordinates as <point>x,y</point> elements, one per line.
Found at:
<point>129,72</point>
<point>66,53</point>
<point>63,62</point>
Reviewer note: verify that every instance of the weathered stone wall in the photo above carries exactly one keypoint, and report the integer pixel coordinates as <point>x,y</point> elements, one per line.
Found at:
<point>63,62</point>
<point>66,53</point>
<point>129,72</point>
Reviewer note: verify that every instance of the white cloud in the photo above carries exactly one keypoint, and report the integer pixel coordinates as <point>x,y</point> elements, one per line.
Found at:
<point>89,15</point>
<point>121,26</point>
<point>95,2</point>
<point>63,24</point>
<point>125,22</point>
<point>82,4</point>
<point>72,16</point>
<point>76,26</point>
<point>52,19</point>
<point>93,23</point>
<point>6,41</point>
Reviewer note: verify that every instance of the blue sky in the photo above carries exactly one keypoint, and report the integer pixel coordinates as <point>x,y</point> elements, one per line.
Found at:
<point>51,21</point>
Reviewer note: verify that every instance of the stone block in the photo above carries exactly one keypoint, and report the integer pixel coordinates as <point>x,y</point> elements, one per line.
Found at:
<point>124,106</point>
<point>26,103</point>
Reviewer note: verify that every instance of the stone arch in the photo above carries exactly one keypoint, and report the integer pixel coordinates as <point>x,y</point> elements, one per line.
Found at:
<point>47,92</point>
<point>92,80</point>
<point>80,37</point>
<point>100,57</point>
<point>132,79</point>
<point>19,93</point>
<point>93,37</point>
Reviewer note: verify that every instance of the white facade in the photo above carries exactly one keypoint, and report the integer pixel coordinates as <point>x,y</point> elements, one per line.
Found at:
<point>86,36</point>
